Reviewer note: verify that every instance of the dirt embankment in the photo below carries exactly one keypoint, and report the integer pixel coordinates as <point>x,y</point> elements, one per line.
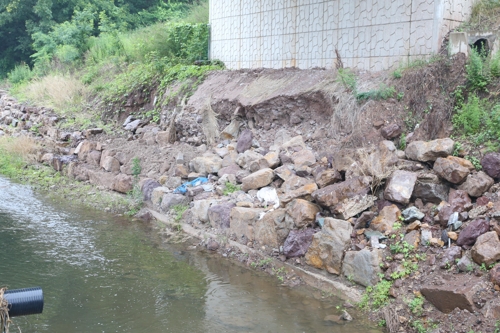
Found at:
<point>291,166</point>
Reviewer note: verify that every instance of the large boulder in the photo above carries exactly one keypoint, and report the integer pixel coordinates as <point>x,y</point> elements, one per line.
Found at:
<point>206,164</point>
<point>301,192</point>
<point>386,219</point>
<point>429,188</point>
<point>257,179</point>
<point>450,169</point>
<point>147,187</point>
<point>399,188</point>
<point>241,223</point>
<point>332,195</point>
<point>477,184</point>
<point>491,164</point>
<point>244,141</point>
<point>328,246</point>
<point>298,242</point>
<point>200,209</point>
<point>170,199</point>
<point>350,207</point>
<point>487,249</point>
<point>362,266</point>
<point>429,151</point>
<point>301,212</point>
<point>252,161</point>
<point>110,164</point>
<point>327,177</point>
<point>472,231</point>
<point>101,178</point>
<point>272,229</point>
<point>219,215</point>
<point>304,157</point>
<point>451,291</point>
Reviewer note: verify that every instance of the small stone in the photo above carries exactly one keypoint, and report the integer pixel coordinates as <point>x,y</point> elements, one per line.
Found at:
<point>412,214</point>
<point>452,235</point>
<point>436,242</point>
<point>414,226</point>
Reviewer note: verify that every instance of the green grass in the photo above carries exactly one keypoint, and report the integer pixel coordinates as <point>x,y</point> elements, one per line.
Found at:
<point>377,296</point>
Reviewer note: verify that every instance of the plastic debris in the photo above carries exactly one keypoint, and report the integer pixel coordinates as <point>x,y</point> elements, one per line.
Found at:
<point>268,195</point>
<point>195,182</point>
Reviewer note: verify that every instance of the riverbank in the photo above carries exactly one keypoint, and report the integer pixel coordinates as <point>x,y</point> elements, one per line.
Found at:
<point>296,177</point>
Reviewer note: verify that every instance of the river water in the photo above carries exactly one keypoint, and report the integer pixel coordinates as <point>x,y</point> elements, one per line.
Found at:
<point>102,273</point>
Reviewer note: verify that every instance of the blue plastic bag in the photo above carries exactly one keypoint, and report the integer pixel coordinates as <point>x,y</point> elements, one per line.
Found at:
<point>195,182</point>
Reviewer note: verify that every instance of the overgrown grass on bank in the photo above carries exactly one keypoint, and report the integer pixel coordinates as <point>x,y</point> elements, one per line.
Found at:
<point>18,162</point>
<point>116,64</point>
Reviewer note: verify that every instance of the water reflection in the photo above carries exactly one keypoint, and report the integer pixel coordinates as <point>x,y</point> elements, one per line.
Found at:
<point>103,274</point>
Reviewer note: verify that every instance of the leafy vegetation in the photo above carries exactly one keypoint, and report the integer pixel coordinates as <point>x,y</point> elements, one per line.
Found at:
<point>230,188</point>
<point>377,296</point>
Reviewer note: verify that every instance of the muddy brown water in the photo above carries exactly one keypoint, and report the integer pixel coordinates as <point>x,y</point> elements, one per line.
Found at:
<point>102,273</point>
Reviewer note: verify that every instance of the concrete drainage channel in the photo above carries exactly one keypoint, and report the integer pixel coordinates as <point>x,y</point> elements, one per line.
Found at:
<point>312,279</point>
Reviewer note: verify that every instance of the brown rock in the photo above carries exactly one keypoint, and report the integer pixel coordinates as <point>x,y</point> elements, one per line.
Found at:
<point>391,131</point>
<point>331,195</point>
<point>179,170</point>
<point>386,219</point>
<point>304,157</point>
<point>301,192</point>
<point>491,164</point>
<point>257,179</point>
<point>123,183</point>
<point>328,246</point>
<point>487,249</point>
<point>350,207</point>
<point>413,238</point>
<point>241,223</point>
<point>284,172</point>
<point>231,169</point>
<point>495,274</point>
<point>101,178</point>
<point>399,188</point>
<point>472,231</point>
<point>206,164</point>
<point>477,184</point>
<point>272,229</point>
<point>294,182</point>
<point>110,164</point>
<point>429,151</point>
<point>273,159</point>
<point>94,157</point>
<point>453,292</point>
<point>449,169</point>
<point>301,212</point>
<point>327,177</point>
<point>415,225</point>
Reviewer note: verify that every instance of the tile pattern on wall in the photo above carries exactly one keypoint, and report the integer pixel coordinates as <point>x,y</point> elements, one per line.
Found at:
<point>369,34</point>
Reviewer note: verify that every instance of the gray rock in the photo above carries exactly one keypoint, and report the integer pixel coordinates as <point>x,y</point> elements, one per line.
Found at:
<point>244,141</point>
<point>170,199</point>
<point>147,188</point>
<point>328,246</point>
<point>399,188</point>
<point>412,214</point>
<point>362,266</point>
<point>486,250</point>
<point>430,189</point>
<point>449,255</point>
<point>465,264</point>
<point>429,151</point>
<point>241,223</point>
<point>219,215</point>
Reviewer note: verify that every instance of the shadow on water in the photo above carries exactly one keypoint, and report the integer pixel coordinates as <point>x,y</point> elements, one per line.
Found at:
<point>102,273</point>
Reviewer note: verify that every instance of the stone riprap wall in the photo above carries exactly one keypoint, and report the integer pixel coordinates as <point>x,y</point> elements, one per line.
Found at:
<point>369,34</point>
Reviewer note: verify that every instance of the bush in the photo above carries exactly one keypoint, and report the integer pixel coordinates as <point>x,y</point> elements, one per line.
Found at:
<point>469,117</point>
<point>21,73</point>
<point>477,68</point>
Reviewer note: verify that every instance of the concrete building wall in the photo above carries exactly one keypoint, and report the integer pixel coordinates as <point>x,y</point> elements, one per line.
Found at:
<point>369,34</point>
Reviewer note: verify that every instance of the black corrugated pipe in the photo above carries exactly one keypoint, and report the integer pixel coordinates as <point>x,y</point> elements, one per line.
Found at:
<point>23,302</point>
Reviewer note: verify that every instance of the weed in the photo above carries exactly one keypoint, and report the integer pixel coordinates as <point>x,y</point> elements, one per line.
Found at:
<point>475,162</point>
<point>457,147</point>
<point>402,142</point>
<point>397,74</point>
<point>400,96</point>
<point>383,92</point>
<point>136,167</point>
<point>280,273</point>
<point>179,211</point>
<point>376,296</point>
<point>418,326</point>
<point>381,323</point>
<point>348,79</point>
<point>416,304</point>
<point>477,69</point>
<point>468,117</point>
<point>230,188</point>
<point>396,226</point>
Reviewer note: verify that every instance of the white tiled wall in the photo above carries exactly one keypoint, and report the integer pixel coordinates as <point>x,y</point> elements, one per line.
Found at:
<point>369,34</point>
